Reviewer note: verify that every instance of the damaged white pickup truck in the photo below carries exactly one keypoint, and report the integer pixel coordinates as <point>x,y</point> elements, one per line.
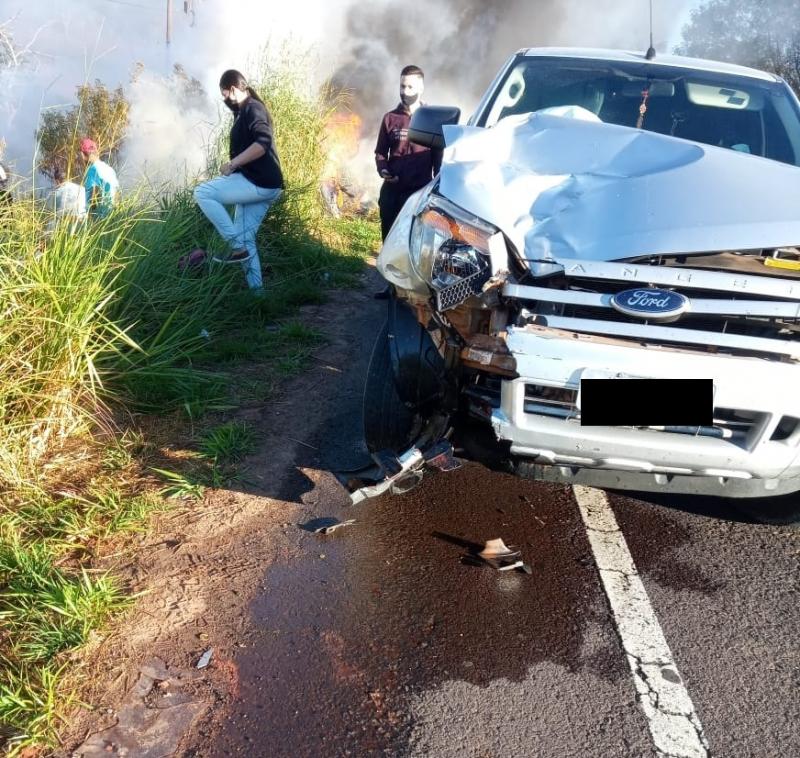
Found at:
<point>602,215</point>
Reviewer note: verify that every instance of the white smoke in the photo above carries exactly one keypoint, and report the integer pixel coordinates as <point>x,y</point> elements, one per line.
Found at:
<point>458,44</point>
<point>160,155</point>
<point>78,41</point>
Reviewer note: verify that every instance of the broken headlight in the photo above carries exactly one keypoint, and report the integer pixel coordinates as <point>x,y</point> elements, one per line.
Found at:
<point>450,250</point>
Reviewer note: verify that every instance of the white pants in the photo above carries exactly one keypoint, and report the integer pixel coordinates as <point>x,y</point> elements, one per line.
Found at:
<point>251,204</point>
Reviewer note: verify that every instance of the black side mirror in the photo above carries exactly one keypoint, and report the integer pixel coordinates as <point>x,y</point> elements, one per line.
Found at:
<point>427,122</point>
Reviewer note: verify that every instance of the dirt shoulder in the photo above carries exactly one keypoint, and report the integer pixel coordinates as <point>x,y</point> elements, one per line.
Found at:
<point>200,565</point>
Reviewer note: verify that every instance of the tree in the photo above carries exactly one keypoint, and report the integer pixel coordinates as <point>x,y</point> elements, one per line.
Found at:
<point>764,34</point>
<point>12,54</point>
<point>189,88</point>
<point>101,114</point>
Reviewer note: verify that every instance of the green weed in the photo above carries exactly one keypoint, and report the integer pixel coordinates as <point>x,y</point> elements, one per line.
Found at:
<point>180,485</point>
<point>121,451</point>
<point>71,521</point>
<point>228,443</point>
<point>29,705</point>
<point>45,612</point>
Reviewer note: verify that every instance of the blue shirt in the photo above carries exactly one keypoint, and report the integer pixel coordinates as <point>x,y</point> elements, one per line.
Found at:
<point>102,176</point>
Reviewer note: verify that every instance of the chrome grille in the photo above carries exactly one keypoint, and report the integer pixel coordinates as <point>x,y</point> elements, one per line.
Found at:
<point>784,328</point>
<point>729,312</point>
<point>455,294</point>
<point>551,401</point>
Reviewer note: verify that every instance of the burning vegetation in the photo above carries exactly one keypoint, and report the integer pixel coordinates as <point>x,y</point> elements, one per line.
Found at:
<point>342,191</point>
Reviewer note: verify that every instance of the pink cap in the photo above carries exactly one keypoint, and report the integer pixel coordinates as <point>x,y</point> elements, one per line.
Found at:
<point>88,146</point>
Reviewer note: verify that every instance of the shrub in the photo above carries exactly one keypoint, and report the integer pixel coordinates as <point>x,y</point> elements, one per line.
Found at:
<point>100,113</point>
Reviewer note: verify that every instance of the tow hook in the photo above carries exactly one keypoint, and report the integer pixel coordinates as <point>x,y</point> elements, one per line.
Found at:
<point>402,473</point>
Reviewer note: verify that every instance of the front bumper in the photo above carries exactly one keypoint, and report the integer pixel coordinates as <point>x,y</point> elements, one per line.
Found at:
<point>761,463</point>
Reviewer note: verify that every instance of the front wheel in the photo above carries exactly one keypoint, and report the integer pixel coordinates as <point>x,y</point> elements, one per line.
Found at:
<point>388,423</point>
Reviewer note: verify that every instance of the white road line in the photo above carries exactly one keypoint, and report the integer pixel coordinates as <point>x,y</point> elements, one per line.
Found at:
<point>673,723</point>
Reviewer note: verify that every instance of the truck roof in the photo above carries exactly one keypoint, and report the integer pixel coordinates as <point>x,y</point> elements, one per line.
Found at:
<point>661,59</point>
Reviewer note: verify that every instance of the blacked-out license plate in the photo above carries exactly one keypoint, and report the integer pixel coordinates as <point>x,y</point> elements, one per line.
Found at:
<point>647,402</point>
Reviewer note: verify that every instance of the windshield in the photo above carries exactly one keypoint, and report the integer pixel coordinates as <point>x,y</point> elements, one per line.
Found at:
<point>736,112</point>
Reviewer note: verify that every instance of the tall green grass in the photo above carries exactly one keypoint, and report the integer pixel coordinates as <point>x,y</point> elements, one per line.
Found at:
<point>97,322</point>
<point>51,599</point>
<point>96,316</point>
<point>101,316</point>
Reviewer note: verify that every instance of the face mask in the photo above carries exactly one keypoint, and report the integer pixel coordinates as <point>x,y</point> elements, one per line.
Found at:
<point>409,99</point>
<point>232,105</point>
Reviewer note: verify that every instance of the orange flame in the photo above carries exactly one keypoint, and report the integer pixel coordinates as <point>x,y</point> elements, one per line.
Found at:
<point>342,135</point>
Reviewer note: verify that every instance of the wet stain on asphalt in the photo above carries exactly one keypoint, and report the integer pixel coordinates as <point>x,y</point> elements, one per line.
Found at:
<point>387,608</point>
<point>653,534</point>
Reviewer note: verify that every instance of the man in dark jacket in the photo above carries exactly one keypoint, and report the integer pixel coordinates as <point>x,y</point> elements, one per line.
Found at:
<point>403,166</point>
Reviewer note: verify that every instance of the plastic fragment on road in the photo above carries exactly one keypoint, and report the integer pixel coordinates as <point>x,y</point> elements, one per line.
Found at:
<point>333,527</point>
<point>325,525</point>
<point>205,658</point>
<point>440,456</point>
<point>501,557</point>
<point>399,474</point>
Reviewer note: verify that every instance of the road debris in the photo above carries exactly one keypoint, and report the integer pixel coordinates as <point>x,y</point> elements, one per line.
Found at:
<point>205,658</point>
<point>325,525</point>
<point>300,442</point>
<point>153,718</point>
<point>501,557</point>
<point>397,474</point>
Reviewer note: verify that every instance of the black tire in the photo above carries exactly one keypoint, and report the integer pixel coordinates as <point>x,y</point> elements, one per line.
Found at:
<point>388,423</point>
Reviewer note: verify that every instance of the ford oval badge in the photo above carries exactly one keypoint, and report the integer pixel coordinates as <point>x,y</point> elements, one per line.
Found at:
<point>651,304</point>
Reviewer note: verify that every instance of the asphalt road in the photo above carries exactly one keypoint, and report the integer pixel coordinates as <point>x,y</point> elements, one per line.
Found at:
<point>380,640</point>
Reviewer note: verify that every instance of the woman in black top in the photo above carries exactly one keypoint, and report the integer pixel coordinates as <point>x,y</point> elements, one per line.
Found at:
<point>251,180</point>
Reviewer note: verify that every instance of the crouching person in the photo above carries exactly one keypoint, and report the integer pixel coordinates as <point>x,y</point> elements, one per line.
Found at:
<point>67,202</point>
<point>251,180</point>
<point>100,181</point>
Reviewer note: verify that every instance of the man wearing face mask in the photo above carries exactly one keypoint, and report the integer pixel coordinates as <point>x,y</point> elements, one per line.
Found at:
<point>403,166</point>
<point>251,180</point>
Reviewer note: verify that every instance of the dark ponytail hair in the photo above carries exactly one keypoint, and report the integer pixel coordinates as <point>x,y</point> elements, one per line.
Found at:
<point>234,78</point>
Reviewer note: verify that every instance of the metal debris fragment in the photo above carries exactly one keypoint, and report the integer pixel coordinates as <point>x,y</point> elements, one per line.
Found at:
<point>497,549</point>
<point>501,557</point>
<point>325,525</point>
<point>333,527</point>
<point>205,658</point>
<point>399,474</point>
<point>508,566</point>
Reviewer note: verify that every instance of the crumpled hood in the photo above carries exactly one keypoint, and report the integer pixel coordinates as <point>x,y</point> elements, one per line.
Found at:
<point>574,187</point>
